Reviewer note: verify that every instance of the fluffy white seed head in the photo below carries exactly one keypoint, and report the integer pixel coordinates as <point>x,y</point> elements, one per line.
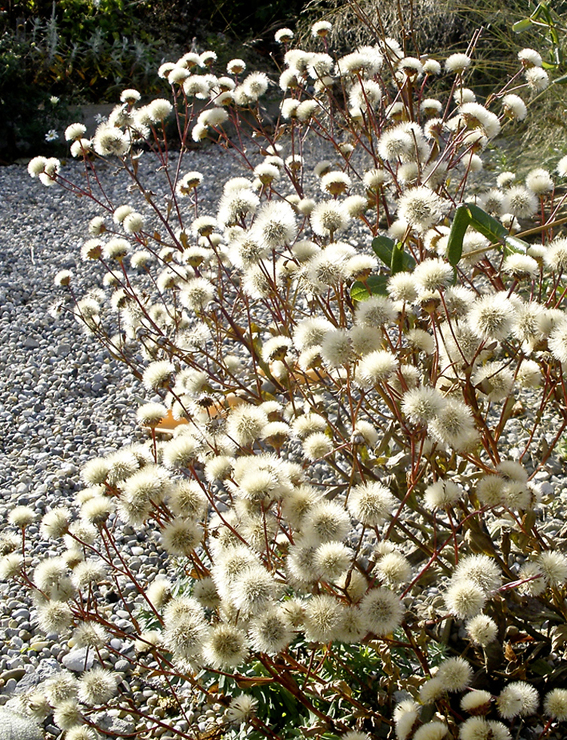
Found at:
<point>465,598</point>
<point>382,611</point>
<point>482,630</point>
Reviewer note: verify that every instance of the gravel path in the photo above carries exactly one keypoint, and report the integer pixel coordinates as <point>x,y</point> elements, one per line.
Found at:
<point>62,399</point>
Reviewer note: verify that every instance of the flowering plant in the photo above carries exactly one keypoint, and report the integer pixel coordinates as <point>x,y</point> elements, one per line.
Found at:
<point>361,372</point>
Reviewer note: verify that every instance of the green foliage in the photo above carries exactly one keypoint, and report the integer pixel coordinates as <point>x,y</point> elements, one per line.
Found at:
<point>392,255</point>
<point>548,23</point>
<point>27,112</point>
<point>78,53</point>
<point>468,215</point>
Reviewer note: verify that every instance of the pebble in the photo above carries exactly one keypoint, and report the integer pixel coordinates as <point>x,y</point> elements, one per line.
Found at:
<point>79,660</point>
<point>13,674</point>
<point>17,727</point>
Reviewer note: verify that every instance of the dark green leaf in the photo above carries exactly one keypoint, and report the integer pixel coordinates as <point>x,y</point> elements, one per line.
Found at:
<point>560,80</point>
<point>376,283</point>
<point>494,230</point>
<point>402,261</point>
<point>541,667</point>
<point>456,235</point>
<point>397,263</point>
<point>383,247</point>
<point>486,225</point>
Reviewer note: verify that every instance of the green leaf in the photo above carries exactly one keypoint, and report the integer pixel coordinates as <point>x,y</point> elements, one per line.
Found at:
<point>401,261</point>
<point>376,283</point>
<point>467,214</point>
<point>560,80</point>
<point>487,225</point>
<point>522,25</point>
<point>397,263</point>
<point>494,230</point>
<point>541,10</point>
<point>541,667</point>
<point>383,247</point>
<point>513,244</point>
<point>461,221</point>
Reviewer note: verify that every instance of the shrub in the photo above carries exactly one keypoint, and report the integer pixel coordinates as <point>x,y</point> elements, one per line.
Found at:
<point>72,52</point>
<point>354,539</point>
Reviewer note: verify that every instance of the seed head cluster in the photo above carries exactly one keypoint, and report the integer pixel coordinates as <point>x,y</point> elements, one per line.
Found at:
<point>343,509</point>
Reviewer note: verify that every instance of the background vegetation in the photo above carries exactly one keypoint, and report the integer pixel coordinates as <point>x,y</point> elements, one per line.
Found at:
<point>86,51</point>
<point>82,51</point>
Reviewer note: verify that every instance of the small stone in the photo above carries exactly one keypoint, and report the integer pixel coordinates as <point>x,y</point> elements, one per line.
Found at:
<point>115,726</point>
<point>13,673</point>
<point>79,660</point>
<point>39,645</point>
<point>122,666</point>
<point>16,726</point>
<point>46,668</point>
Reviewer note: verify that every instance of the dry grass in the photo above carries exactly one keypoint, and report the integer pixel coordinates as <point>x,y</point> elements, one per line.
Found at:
<point>428,26</point>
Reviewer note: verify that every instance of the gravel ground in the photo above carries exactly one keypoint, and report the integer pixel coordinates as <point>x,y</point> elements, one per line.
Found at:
<point>63,400</point>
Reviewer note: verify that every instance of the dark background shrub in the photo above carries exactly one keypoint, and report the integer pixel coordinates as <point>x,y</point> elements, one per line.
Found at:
<point>87,52</point>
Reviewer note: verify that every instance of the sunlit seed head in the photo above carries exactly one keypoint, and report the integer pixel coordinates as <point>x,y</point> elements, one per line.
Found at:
<point>455,674</point>
<point>406,715</point>
<point>284,35</point>
<point>55,523</point>
<point>325,521</point>
<point>375,367</point>
<point>382,611</point>
<point>159,592</point>
<point>54,616</point>
<point>181,536</point>
<point>555,257</point>
<point>67,714</point>
<point>518,698</point>
<point>457,63</point>
<point>553,566</point>
<point>323,618</point>
<point>331,559</point>
<point>89,573</point>
<point>422,405</point>
<point>482,570</point>
<point>477,702</point>
<point>97,686</point>
<point>433,274</point>
<point>225,647</point>
<point>271,631</point>
<point>465,598</point>
<point>495,380</point>
<point>328,218</point>
<point>442,494</point>
<point>537,79</point>
<point>90,635</point>
<point>491,316</point>
<point>434,730</point>
<point>393,569</point>
<point>479,728</point>
<point>555,704</point>
<point>21,516</point>
<point>482,630</point>
<point>430,691</point>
